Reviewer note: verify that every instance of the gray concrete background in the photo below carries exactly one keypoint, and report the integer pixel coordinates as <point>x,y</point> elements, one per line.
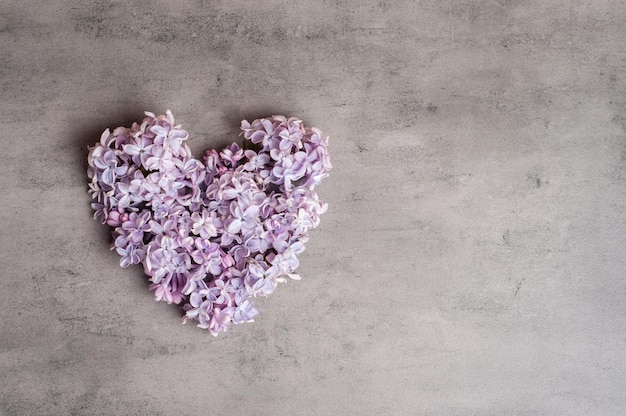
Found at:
<point>472,260</point>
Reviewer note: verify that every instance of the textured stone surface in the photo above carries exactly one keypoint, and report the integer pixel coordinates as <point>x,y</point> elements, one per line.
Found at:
<point>472,260</point>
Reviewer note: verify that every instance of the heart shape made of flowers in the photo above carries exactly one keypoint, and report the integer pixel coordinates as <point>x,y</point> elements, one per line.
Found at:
<point>210,234</point>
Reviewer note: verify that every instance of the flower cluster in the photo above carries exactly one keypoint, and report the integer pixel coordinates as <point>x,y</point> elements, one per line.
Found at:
<point>211,235</point>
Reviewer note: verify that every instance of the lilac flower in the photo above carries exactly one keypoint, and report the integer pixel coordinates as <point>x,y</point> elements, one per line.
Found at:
<point>137,225</point>
<point>244,312</point>
<point>219,293</point>
<point>210,235</point>
<point>290,169</point>
<point>169,137</point>
<point>144,188</point>
<point>120,137</point>
<point>188,167</point>
<point>200,309</point>
<point>255,161</point>
<point>260,131</point>
<point>258,241</point>
<point>157,262</point>
<point>139,150</point>
<point>235,188</point>
<point>241,254</point>
<point>164,292</point>
<point>160,159</point>
<point>131,254</point>
<point>284,148</point>
<point>115,218</point>
<point>100,212</point>
<point>241,219</point>
<point>260,278</point>
<point>232,154</point>
<point>163,228</point>
<point>161,211</point>
<point>205,224</point>
<point>107,161</point>
<point>209,254</point>
<point>220,320</point>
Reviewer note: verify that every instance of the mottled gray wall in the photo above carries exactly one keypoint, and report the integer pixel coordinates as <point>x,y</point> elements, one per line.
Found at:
<point>472,260</point>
